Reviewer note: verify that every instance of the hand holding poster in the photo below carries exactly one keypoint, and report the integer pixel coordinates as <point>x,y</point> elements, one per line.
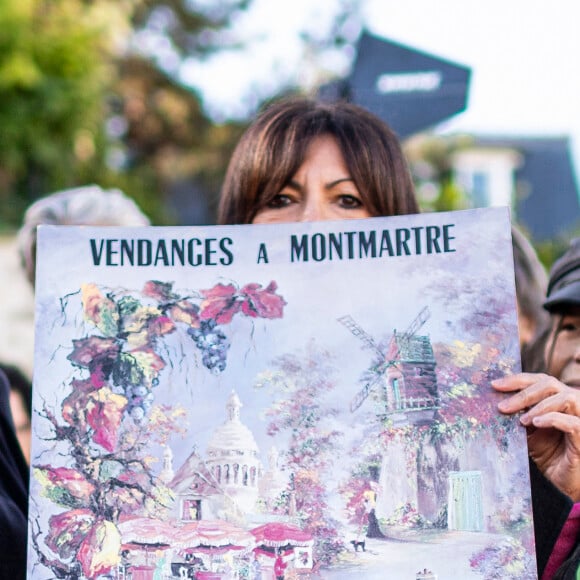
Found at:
<point>310,399</point>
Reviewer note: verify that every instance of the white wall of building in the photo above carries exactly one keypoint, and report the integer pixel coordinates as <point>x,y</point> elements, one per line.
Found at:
<point>487,175</point>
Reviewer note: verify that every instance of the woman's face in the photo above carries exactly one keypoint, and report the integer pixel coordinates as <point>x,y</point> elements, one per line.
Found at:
<point>562,351</point>
<point>321,189</point>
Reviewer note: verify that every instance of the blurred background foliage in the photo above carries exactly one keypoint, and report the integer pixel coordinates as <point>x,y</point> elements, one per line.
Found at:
<point>54,66</point>
<point>86,96</point>
<point>94,91</point>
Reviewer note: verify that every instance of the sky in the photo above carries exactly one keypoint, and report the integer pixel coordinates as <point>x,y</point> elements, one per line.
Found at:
<point>523,55</point>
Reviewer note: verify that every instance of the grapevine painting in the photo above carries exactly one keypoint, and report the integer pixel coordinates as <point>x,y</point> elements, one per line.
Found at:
<point>304,401</point>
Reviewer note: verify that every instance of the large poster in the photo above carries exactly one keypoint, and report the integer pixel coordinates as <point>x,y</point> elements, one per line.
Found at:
<point>298,400</point>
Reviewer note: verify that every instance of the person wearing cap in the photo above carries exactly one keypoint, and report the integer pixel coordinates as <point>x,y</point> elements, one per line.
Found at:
<point>549,404</point>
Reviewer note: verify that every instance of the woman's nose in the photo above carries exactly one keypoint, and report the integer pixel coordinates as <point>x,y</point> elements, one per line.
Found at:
<point>313,210</point>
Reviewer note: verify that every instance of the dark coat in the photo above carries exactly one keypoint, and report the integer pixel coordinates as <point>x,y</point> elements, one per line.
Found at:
<point>551,508</point>
<point>13,494</point>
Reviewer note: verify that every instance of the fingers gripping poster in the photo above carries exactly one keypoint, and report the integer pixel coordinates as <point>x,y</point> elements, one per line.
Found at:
<point>278,401</point>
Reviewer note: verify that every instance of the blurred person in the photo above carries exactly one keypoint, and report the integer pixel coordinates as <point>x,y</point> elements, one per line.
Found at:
<point>20,406</point>
<point>13,494</point>
<point>533,320</point>
<point>82,206</point>
<point>550,407</point>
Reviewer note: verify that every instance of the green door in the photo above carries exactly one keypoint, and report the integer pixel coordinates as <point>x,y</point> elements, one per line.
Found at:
<point>465,507</point>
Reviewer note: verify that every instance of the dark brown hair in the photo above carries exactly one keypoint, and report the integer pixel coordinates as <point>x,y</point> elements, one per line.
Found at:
<point>274,146</point>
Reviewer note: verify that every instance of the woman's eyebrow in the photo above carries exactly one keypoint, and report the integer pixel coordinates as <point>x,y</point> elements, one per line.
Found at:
<point>338,181</point>
<point>296,186</point>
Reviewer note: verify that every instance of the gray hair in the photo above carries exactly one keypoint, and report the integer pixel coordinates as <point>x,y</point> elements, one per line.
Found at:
<point>88,206</point>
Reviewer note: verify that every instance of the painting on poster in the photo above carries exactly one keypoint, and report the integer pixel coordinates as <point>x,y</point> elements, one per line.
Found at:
<point>305,400</point>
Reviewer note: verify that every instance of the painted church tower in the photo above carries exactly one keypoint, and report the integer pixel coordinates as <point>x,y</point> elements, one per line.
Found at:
<point>233,458</point>
<point>272,483</point>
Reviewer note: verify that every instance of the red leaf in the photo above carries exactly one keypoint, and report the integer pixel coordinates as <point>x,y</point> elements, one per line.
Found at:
<point>263,303</point>
<point>220,303</point>
<point>74,406</point>
<point>161,291</point>
<point>68,530</point>
<point>160,325</point>
<point>70,480</point>
<point>104,415</point>
<point>87,350</point>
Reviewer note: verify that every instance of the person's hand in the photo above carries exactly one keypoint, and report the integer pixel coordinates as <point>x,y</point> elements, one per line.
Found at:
<point>551,414</point>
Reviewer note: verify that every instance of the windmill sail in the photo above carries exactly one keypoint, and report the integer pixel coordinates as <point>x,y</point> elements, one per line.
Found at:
<point>362,395</point>
<point>357,331</point>
<point>400,343</point>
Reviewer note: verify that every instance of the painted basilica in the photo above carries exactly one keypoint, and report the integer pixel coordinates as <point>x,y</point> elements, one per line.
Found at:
<point>229,482</point>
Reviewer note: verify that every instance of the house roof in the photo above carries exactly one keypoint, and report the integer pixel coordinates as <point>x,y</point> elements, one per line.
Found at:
<point>194,476</point>
<point>408,88</point>
<point>547,201</point>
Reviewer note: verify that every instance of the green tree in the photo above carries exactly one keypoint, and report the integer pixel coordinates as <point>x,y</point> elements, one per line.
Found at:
<point>53,74</point>
<point>82,101</point>
<point>302,413</point>
<point>95,91</point>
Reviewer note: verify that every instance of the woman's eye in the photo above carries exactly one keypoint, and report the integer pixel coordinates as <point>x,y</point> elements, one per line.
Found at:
<point>570,324</point>
<point>350,202</point>
<point>278,201</point>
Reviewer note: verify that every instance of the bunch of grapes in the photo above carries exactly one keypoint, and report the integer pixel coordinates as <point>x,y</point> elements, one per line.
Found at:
<point>213,344</point>
<point>140,402</point>
<point>128,380</point>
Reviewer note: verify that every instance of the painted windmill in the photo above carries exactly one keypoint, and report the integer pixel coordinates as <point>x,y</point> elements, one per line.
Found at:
<point>406,371</point>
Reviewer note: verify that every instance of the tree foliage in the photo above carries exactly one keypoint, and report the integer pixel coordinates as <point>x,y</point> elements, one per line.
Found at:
<point>303,414</point>
<point>86,95</point>
<point>94,91</point>
<point>53,74</point>
<point>165,141</point>
<point>431,162</point>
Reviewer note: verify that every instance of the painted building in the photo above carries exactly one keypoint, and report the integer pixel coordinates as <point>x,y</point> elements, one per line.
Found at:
<point>228,482</point>
<point>233,458</point>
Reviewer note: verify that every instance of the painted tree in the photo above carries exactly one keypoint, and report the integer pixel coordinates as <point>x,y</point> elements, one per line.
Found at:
<point>485,321</point>
<point>301,411</point>
<point>101,441</point>
<point>362,483</point>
